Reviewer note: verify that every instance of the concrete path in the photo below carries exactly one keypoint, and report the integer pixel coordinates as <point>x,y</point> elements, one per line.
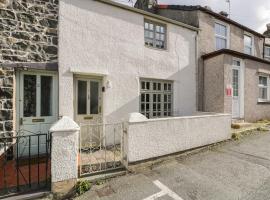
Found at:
<point>238,170</point>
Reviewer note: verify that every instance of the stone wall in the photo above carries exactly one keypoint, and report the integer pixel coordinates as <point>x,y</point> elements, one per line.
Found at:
<point>28,33</point>
<point>6,101</point>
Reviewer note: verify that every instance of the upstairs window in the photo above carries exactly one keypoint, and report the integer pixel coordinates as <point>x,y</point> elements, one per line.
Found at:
<point>248,43</point>
<point>267,52</point>
<point>221,35</point>
<point>263,88</point>
<point>154,35</point>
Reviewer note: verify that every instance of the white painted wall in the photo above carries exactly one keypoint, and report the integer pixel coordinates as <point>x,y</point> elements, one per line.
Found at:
<point>158,137</point>
<point>96,38</point>
<point>65,150</point>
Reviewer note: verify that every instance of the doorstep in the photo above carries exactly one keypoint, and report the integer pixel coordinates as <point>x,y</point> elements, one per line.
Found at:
<point>27,196</point>
<point>250,127</point>
<point>106,175</point>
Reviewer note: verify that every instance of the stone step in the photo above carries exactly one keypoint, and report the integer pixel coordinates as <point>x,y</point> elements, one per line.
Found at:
<point>241,125</point>
<point>27,196</point>
<point>106,175</point>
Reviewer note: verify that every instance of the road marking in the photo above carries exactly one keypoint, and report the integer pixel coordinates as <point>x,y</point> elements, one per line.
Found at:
<point>164,191</point>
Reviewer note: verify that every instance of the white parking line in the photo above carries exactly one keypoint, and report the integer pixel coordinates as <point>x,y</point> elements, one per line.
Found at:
<point>164,191</point>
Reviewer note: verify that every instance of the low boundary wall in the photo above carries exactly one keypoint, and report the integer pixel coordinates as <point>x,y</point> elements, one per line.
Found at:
<point>152,138</point>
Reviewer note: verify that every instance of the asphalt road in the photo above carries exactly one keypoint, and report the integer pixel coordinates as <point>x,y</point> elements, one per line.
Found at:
<point>238,170</point>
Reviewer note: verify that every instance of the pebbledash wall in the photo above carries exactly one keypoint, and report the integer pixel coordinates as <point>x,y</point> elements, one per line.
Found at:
<point>147,139</point>
<point>28,33</point>
<point>218,75</point>
<point>111,45</point>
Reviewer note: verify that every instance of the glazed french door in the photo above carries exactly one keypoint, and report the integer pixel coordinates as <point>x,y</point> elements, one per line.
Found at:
<point>38,108</point>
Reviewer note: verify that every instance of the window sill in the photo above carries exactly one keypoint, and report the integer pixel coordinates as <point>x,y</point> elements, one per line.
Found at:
<point>263,102</point>
<point>155,48</point>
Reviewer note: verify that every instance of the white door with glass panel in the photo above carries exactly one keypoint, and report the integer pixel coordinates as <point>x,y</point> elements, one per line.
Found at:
<point>88,109</point>
<point>38,109</point>
<point>236,99</point>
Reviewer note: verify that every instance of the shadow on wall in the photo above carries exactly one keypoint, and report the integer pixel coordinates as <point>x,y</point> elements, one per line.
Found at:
<point>184,98</point>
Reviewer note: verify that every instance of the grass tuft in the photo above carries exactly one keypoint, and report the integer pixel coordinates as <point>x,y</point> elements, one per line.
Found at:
<point>82,187</point>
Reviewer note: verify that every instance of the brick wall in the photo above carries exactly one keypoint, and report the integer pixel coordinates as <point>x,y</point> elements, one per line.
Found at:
<point>28,33</point>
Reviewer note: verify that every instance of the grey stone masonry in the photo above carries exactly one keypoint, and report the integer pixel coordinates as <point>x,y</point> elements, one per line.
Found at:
<point>28,33</point>
<point>28,30</point>
<point>6,101</point>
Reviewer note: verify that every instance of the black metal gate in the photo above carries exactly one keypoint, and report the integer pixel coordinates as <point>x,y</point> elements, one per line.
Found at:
<point>24,163</point>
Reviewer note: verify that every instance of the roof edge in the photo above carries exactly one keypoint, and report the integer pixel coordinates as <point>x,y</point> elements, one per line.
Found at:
<point>234,53</point>
<point>210,12</point>
<point>132,9</point>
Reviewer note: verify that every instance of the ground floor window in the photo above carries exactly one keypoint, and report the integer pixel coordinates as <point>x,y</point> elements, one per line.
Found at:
<point>263,88</point>
<point>156,98</point>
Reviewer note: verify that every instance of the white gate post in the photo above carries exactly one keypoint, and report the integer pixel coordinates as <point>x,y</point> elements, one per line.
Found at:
<point>64,155</point>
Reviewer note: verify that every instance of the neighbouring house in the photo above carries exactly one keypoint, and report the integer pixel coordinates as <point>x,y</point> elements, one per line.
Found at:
<point>232,75</point>
<point>28,88</point>
<point>267,43</point>
<point>28,66</point>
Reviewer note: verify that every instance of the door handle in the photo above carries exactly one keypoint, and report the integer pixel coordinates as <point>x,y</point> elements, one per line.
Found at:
<point>99,109</point>
<point>21,121</point>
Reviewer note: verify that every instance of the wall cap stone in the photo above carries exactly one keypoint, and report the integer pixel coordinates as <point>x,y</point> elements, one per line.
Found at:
<point>136,117</point>
<point>66,124</point>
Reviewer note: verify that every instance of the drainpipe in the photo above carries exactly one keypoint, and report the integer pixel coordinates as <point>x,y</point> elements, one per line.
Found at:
<point>197,66</point>
<point>263,48</point>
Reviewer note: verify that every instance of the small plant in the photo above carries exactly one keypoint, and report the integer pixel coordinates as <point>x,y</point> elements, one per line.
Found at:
<point>236,136</point>
<point>262,129</point>
<point>100,182</point>
<point>264,121</point>
<point>82,187</point>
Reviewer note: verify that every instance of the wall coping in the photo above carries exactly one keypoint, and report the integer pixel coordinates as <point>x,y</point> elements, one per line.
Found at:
<point>65,124</point>
<point>182,117</point>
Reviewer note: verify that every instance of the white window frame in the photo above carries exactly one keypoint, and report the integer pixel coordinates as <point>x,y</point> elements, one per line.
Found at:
<point>265,55</point>
<point>263,86</point>
<point>227,38</point>
<point>155,23</point>
<point>151,92</point>
<point>252,43</point>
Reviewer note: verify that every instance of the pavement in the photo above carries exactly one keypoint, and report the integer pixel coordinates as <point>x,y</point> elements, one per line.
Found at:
<point>236,170</point>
